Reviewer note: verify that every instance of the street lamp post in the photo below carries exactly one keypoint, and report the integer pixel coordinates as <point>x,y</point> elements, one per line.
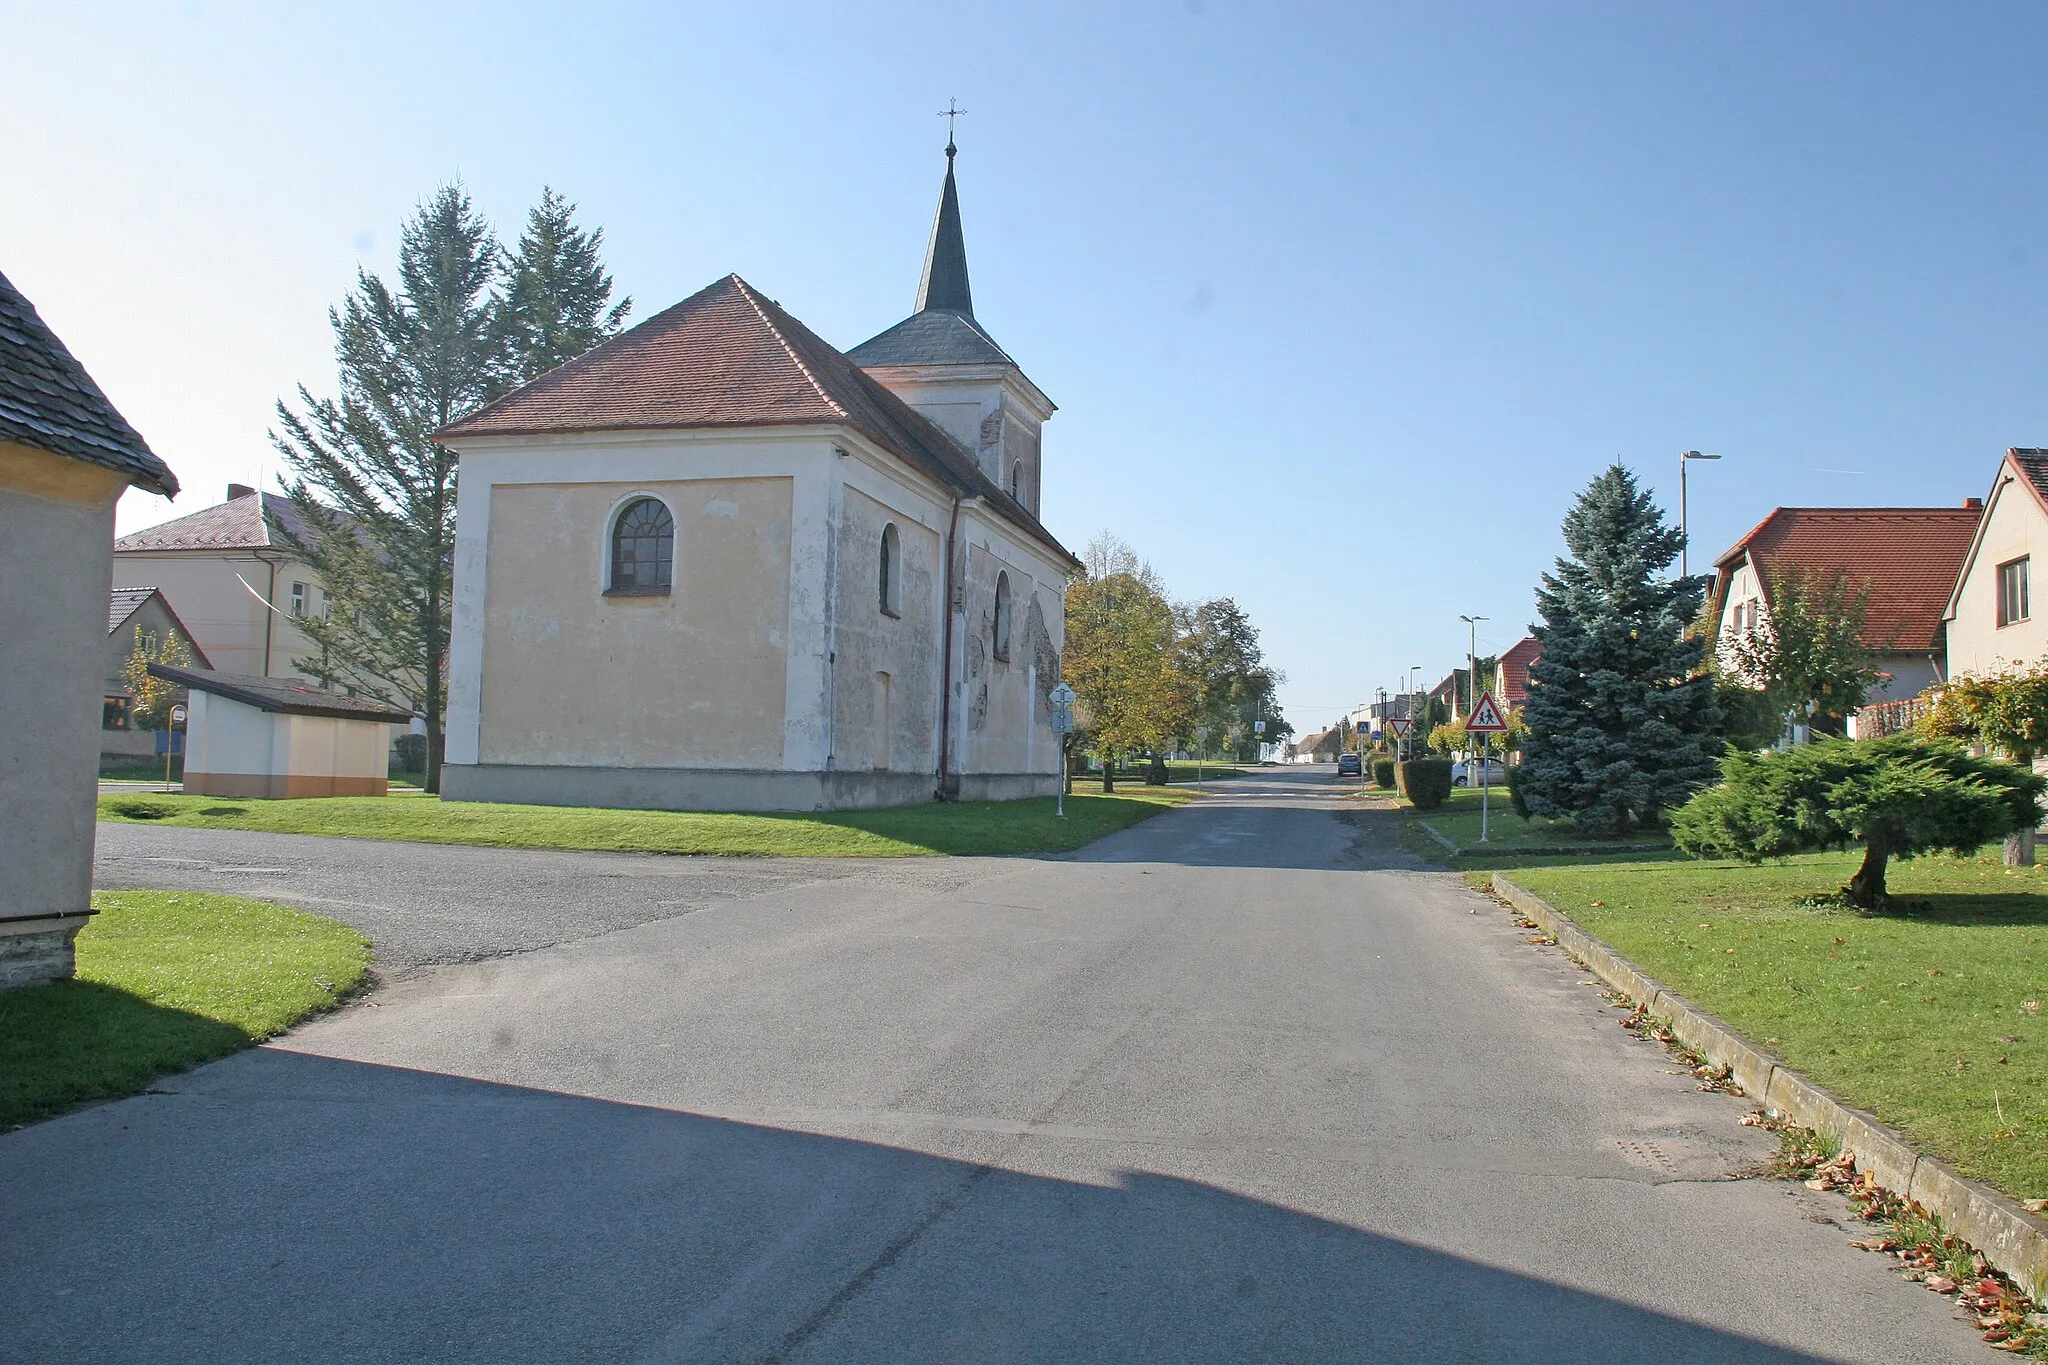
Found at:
<point>1472,662</point>
<point>1686,457</point>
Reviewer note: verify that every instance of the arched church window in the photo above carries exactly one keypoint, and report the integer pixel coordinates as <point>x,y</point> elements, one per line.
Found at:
<point>892,572</point>
<point>1017,479</point>
<point>643,547</point>
<point>1002,622</point>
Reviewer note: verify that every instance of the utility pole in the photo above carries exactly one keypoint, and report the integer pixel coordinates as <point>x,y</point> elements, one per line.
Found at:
<point>1472,662</point>
<point>1686,457</point>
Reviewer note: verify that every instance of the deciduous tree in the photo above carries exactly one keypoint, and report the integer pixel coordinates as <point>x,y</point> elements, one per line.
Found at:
<point>1808,653</point>
<point>2006,713</point>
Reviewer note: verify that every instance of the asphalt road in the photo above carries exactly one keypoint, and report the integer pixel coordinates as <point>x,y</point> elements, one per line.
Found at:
<point>1239,1084</point>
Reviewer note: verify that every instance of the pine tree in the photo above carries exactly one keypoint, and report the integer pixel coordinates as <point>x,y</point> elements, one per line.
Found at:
<point>552,302</point>
<point>376,489</point>
<point>1621,714</point>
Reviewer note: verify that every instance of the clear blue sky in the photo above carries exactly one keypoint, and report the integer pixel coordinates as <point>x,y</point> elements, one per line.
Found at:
<point>1340,304</point>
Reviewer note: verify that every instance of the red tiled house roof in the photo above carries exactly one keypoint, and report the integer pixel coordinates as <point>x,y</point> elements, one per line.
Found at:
<point>1910,557</point>
<point>1513,670</point>
<point>728,356</point>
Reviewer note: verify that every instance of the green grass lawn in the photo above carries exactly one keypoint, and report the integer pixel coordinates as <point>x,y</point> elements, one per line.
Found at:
<point>1458,820</point>
<point>1922,1017</point>
<point>961,827</point>
<point>166,980</point>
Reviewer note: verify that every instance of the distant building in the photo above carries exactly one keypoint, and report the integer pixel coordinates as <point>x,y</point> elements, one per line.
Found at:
<point>232,579</point>
<point>1989,614</point>
<point>254,737</point>
<point>1909,557</point>
<point>1511,672</point>
<point>136,617</point>
<point>66,456</point>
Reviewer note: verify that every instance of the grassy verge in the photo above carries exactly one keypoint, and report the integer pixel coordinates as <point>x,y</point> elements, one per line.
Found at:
<point>166,980</point>
<point>1507,833</point>
<point>1932,1018</point>
<point>964,827</point>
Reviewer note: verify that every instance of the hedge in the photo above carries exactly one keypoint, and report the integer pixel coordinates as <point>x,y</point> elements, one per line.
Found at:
<point>1426,782</point>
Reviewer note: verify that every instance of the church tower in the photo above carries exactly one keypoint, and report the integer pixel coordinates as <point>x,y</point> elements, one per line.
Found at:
<point>940,361</point>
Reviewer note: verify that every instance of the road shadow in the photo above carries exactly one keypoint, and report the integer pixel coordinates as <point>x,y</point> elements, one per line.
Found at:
<point>71,1042</point>
<point>281,1206</point>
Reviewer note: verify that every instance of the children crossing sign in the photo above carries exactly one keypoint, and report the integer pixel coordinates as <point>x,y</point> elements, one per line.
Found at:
<point>1486,718</point>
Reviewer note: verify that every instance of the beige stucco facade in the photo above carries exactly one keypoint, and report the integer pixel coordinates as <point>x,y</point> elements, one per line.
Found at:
<point>2014,529</point>
<point>771,675</point>
<point>56,547</point>
<point>238,604</point>
<point>237,750</point>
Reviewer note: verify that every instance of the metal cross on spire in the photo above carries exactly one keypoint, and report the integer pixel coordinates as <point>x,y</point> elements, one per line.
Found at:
<point>949,113</point>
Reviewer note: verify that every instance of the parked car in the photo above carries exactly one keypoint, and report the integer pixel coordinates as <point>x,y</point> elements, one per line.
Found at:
<point>1349,766</point>
<point>1492,772</point>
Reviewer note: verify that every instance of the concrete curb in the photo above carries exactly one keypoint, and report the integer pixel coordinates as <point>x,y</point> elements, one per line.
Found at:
<point>1430,830</point>
<point>2011,1239</point>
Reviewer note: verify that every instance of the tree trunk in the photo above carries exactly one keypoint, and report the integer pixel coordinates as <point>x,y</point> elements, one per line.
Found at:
<point>2019,847</point>
<point>1155,776</point>
<point>1866,890</point>
<point>1066,765</point>
<point>1108,770</point>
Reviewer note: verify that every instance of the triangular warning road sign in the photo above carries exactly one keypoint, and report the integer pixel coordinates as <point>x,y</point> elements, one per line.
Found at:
<point>1485,718</point>
<point>1398,724</point>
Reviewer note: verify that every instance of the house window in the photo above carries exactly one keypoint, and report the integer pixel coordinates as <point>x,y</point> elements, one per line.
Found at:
<point>298,599</point>
<point>1002,621</point>
<point>114,713</point>
<point>2012,591</point>
<point>892,572</point>
<point>643,547</point>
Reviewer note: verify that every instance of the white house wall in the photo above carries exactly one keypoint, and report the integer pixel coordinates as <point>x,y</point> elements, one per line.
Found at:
<point>2014,525</point>
<point>226,600</point>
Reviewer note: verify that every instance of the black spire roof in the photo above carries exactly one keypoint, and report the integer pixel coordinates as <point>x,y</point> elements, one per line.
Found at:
<point>942,331</point>
<point>944,285</point>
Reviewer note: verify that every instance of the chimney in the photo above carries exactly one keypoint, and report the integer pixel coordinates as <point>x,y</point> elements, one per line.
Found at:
<point>1973,504</point>
<point>239,490</point>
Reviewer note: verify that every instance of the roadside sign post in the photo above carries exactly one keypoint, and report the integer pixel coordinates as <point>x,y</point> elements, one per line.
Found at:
<point>178,715</point>
<point>1399,725</point>
<point>1485,721</point>
<point>1062,699</point>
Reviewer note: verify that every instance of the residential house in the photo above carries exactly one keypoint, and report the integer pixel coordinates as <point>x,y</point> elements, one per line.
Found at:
<point>1908,557</point>
<point>1511,672</point>
<point>137,618</point>
<point>232,579</point>
<point>66,456</point>
<point>1989,614</point>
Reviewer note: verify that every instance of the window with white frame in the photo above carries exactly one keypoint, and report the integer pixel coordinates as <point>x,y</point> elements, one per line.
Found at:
<point>2012,591</point>
<point>643,548</point>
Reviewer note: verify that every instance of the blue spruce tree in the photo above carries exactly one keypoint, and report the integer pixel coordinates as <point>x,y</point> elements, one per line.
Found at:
<point>1622,718</point>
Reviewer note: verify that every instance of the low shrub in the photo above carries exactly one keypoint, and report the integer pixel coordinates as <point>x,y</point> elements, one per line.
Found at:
<point>1383,773</point>
<point>1516,796</point>
<point>1426,782</point>
<point>412,753</point>
<point>136,809</point>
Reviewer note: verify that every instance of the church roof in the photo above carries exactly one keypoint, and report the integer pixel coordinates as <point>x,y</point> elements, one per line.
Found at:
<point>48,401</point>
<point>931,338</point>
<point>943,330</point>
<point>729,357</point>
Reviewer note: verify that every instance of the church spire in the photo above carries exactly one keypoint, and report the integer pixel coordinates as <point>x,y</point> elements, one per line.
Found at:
<point>944,286</point>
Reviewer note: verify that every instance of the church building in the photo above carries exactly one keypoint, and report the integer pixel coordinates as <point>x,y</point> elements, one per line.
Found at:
<point>717,564</point>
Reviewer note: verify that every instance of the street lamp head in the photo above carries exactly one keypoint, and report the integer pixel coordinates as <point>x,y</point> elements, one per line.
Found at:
<point>1695,455</point>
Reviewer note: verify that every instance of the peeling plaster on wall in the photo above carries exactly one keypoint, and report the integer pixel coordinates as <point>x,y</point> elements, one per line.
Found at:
<point>905,646</point>
<point>1045,659</point>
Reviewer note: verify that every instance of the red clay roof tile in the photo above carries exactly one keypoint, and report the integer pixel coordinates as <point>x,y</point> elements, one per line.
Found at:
<point>1910,557</point>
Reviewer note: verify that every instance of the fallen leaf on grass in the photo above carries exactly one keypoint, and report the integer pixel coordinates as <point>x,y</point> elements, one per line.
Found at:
<point>2031,1007</point>
<point>2034,1205</point>
<point>1940,1284</point>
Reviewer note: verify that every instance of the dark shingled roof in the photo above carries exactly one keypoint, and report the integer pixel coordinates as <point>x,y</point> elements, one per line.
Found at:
<point>729,357</point>
<point>124,603</point>
<point>944,282</point>
<point>48,401</point>
<point>281,695</point>
<point>237,524</point>
<point>932,338</point>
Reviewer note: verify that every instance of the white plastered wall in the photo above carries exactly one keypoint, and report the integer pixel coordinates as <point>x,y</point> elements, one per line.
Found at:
<point>2014,525</point>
